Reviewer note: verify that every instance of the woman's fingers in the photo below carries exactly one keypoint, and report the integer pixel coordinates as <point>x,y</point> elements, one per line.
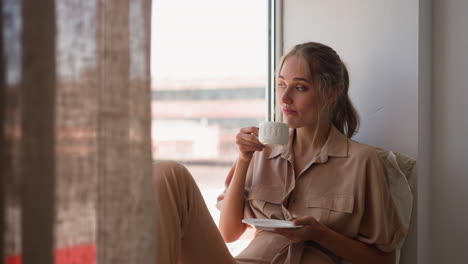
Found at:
<point>306,220</point>
<point>249,130</point>
<point>248,149</point>
<point>247,142</point>
<point>310,230</point>
<point>249,134</point>
<point>248,139</point>
<point>246,146</point>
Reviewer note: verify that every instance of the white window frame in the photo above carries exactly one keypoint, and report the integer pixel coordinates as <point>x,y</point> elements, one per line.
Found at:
<point>275,51</point>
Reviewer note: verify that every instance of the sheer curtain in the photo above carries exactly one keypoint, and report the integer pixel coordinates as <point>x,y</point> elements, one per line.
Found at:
<point>75,120</point>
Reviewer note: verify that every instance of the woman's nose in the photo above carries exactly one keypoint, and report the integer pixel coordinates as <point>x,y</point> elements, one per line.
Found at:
<point>285,96</point>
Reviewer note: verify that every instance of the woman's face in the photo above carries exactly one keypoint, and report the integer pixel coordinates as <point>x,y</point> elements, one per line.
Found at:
<point>299,99</point>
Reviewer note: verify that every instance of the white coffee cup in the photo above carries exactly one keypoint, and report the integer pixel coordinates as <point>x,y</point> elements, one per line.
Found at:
<point>273,133</point>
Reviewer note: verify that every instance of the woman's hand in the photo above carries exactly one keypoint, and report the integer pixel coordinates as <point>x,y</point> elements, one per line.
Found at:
<point>247,143</point>
<point>349,249</point>
<point>311,230</point>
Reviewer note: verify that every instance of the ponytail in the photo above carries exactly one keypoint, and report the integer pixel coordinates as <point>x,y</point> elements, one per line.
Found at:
<point>343,115</point>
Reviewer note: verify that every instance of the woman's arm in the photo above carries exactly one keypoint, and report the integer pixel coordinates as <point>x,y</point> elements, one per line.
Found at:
<point>349,249</point>
<point>232,210</point>
<point>353,250</point>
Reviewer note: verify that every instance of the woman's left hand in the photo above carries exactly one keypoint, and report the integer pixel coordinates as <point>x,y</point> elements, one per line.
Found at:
<point>311,230</point>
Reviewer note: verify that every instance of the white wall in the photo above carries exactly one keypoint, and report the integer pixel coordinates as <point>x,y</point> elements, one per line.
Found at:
<point>422,211</point>
<point>378,40</point>
<point>450,128</point>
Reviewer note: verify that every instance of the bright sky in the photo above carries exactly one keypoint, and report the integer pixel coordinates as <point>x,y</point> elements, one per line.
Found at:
<point>208,39</point>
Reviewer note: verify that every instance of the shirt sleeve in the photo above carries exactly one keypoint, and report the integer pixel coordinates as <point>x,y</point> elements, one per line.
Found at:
<point>380,224</point>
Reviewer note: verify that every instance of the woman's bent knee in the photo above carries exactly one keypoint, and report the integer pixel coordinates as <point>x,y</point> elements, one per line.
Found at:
<point>169,171</point>
<point>167,165</point>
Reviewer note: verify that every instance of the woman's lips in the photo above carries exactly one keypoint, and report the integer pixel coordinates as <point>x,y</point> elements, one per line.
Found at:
<point>288,111</point>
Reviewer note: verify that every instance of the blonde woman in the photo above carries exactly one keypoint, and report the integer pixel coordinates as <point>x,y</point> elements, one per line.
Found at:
<point>332,186</point>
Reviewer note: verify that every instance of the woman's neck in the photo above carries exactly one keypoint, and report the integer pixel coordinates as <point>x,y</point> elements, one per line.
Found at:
<point>310,140</point>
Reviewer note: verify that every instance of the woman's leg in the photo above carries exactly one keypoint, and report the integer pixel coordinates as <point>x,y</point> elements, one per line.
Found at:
<point>185,230</point>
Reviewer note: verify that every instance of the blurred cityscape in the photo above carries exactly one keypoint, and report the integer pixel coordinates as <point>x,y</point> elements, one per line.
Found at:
<point>195,122</point>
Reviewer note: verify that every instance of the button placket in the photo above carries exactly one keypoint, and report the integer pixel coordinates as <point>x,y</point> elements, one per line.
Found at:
<point>286,214</point>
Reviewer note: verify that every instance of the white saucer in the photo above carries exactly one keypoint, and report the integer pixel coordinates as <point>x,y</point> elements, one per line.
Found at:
<point>269,224</point>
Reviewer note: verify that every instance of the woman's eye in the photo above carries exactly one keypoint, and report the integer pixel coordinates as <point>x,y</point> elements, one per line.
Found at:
<point>281,85</point>
<point>300,88</point>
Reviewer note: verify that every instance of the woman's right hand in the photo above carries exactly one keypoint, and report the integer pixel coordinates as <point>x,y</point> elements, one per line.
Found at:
<point>247,143</point>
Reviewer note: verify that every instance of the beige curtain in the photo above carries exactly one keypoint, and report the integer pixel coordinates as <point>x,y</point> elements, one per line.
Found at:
<point>75,120</point>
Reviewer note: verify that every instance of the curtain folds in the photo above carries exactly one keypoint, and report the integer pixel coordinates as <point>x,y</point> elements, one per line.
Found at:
<point>75,119</point>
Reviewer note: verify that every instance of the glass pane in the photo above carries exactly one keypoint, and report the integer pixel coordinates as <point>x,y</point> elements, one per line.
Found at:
<point>209,71</point>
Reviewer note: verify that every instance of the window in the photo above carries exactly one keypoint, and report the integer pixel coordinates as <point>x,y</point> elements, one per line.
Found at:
<point>210,74</point>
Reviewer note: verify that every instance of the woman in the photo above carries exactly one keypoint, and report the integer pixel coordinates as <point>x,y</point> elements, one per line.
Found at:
<point>333,186</point>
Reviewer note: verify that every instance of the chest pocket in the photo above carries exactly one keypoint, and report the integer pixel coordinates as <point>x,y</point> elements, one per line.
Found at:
<point>265,201</point>
<point>333,211</point>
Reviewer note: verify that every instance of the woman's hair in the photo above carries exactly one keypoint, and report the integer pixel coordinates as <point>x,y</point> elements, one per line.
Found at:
<point>331,77</point>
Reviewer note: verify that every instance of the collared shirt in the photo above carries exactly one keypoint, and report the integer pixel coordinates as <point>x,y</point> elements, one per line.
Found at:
<point>344,187</point>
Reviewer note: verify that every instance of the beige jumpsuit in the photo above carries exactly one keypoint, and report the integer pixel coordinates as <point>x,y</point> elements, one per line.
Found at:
<point>344,187</point>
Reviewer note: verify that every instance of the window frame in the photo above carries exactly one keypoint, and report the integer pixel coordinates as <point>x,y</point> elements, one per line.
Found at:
<point>275,51</point>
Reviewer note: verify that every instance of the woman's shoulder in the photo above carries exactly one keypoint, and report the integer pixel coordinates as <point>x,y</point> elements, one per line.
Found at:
<point>368,159</point>
<point>362,151</point>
